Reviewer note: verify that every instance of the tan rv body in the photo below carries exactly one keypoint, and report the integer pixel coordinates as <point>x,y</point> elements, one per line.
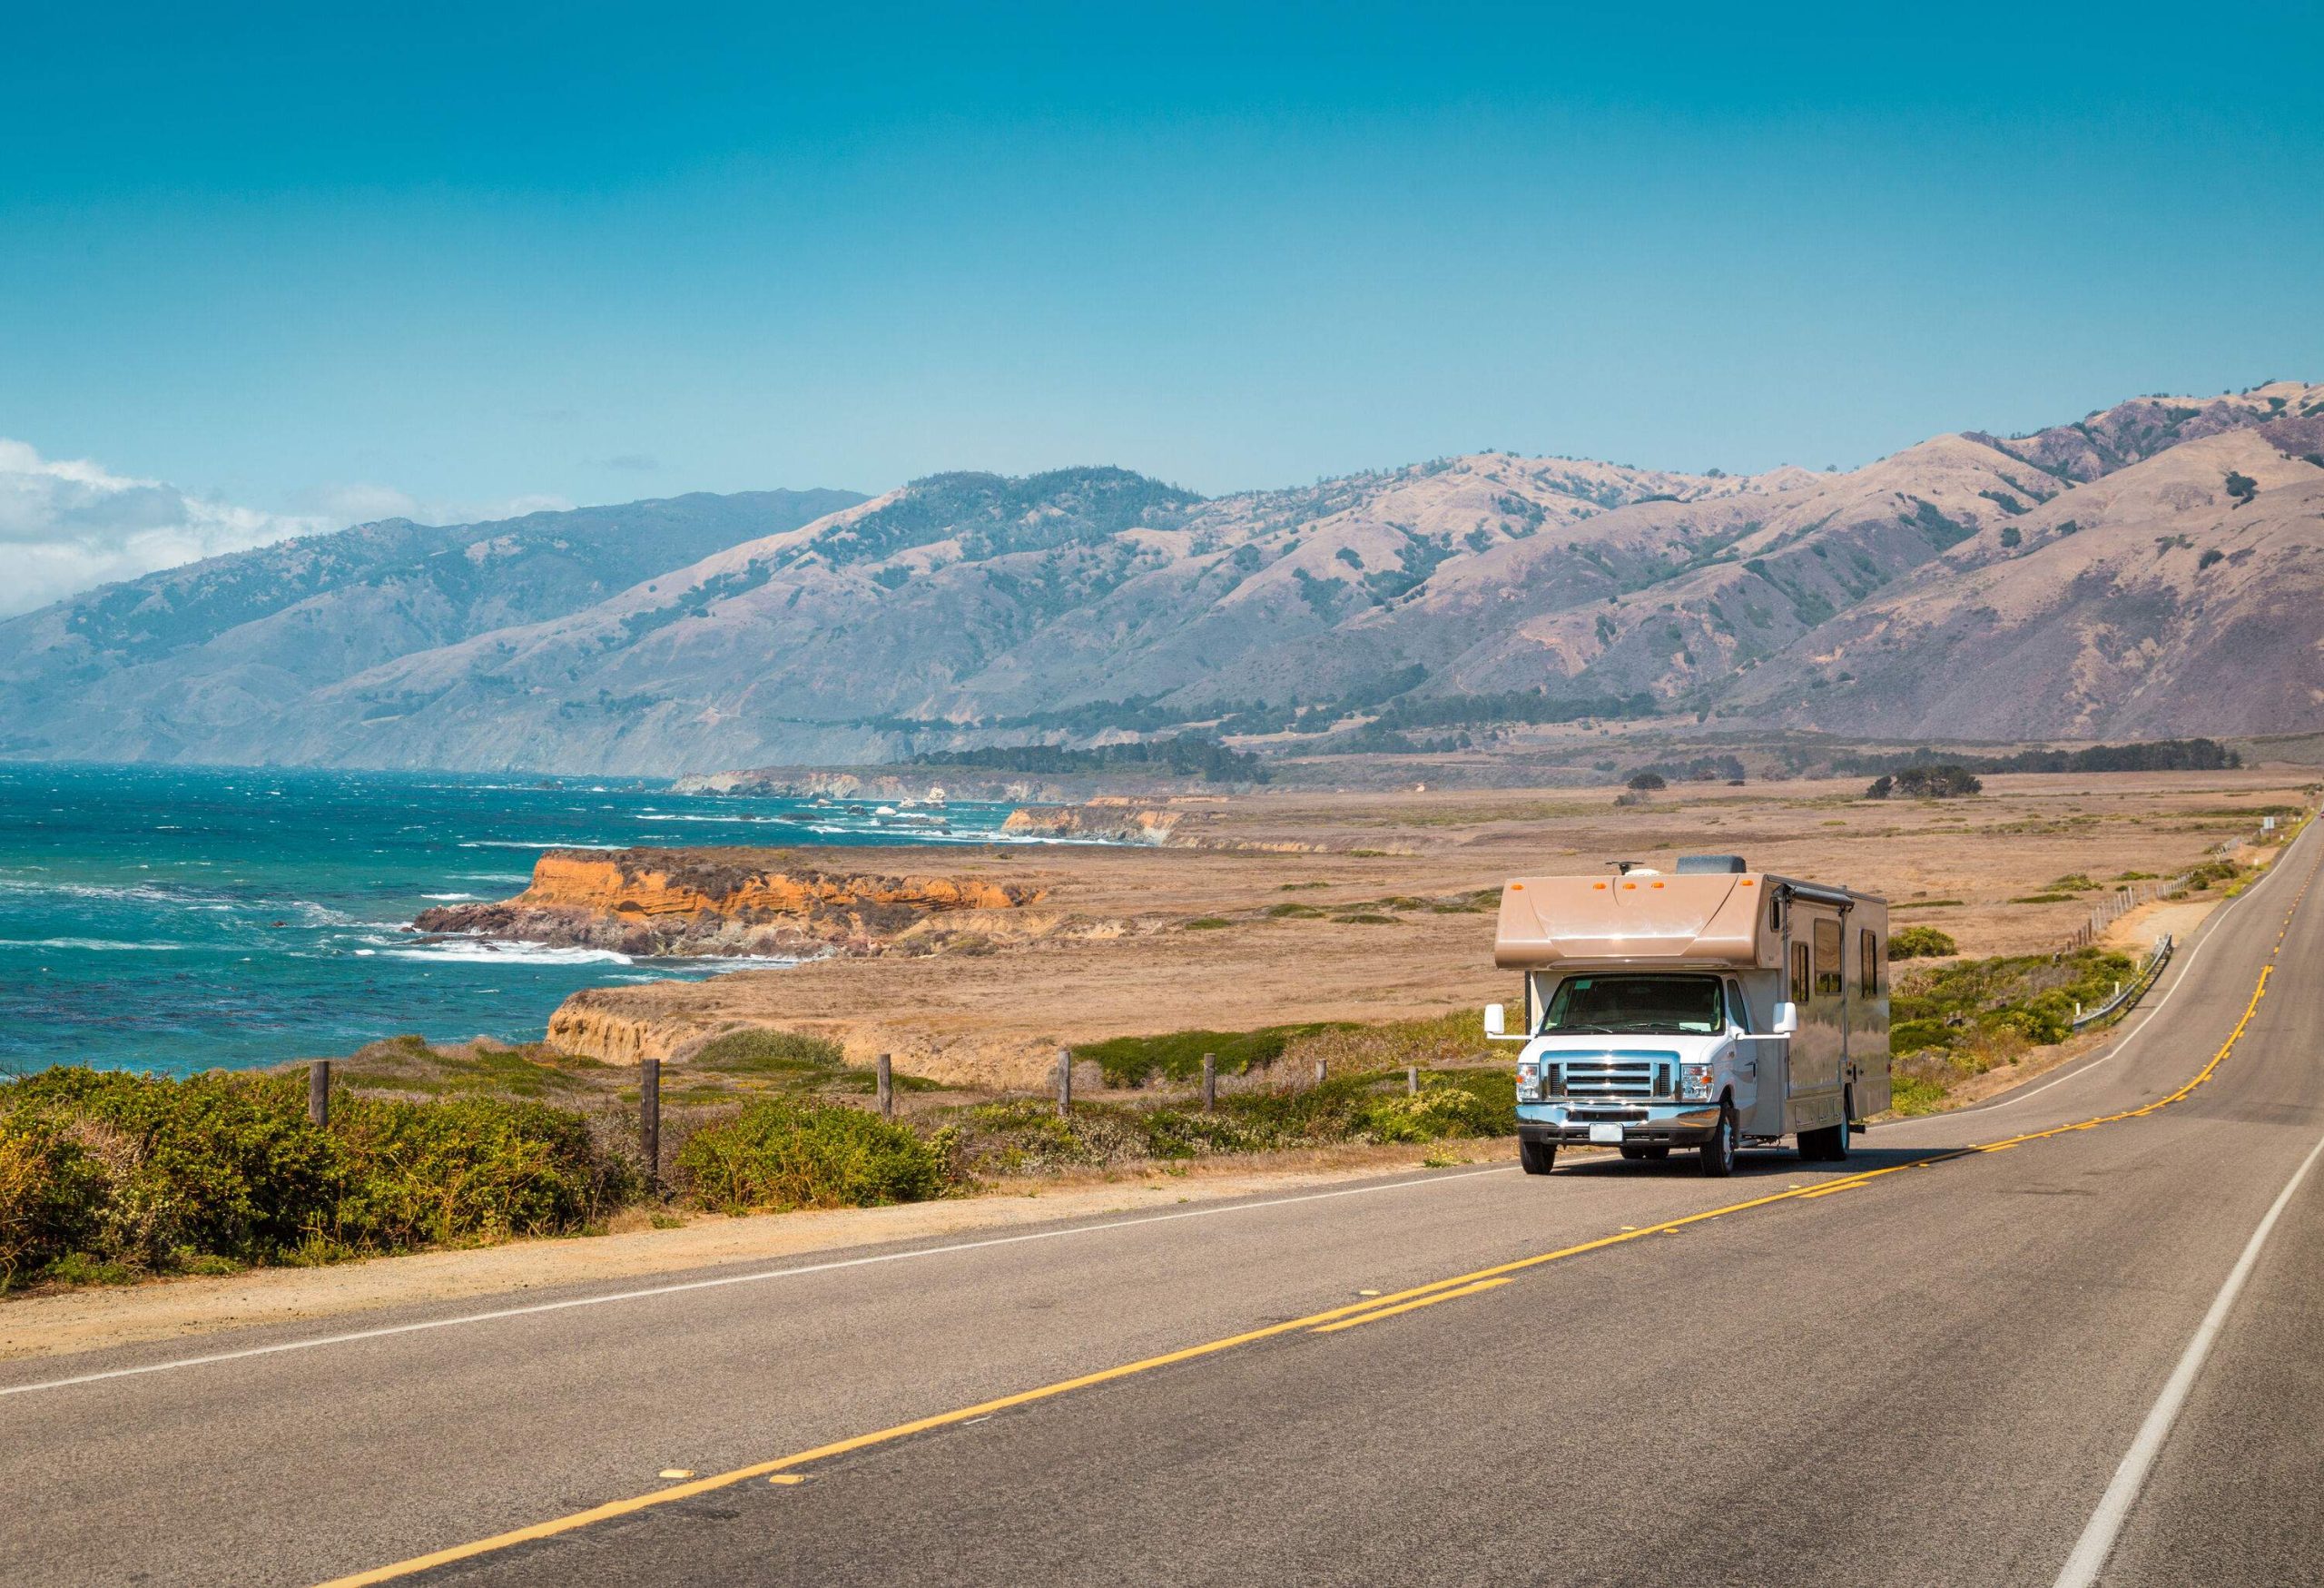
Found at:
<point>1774,940</point>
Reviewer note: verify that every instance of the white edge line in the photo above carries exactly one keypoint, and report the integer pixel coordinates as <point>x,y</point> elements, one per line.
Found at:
<point>2097,1540</point>
<point>2186,968</point>
<point>753,1277</point>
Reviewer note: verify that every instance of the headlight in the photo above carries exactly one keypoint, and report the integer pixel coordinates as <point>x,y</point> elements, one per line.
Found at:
<point>1696,1080</point>
<point>1529,1079</point>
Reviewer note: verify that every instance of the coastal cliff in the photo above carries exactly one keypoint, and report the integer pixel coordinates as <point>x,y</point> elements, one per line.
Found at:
<point>728,901</point>
<point>1113,821</point>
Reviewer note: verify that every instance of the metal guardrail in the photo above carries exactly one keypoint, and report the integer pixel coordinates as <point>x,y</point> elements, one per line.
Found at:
<point>2130,992</point>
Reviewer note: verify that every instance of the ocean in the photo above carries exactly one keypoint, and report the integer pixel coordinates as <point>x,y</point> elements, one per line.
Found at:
<point>180,919</point>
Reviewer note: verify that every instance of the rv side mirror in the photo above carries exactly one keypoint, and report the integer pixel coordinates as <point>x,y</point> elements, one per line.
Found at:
<point>1786,1018</point>
<point>1496,1021</point>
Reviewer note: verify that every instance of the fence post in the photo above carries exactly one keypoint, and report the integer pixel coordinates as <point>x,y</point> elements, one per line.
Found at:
<point>1210,1083</point>
<point>649,1120</point>
<point>1411,1080</point>
<point>1063,1082</point>
<point>887,1089</point>
<point>1319,1072</point>
<point>318,1092</point>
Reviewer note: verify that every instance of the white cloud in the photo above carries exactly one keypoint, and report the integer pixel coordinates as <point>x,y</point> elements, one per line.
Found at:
<point>66,525</point>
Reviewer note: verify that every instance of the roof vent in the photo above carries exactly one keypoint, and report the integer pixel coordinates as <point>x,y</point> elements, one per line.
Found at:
<point>1697,864</point>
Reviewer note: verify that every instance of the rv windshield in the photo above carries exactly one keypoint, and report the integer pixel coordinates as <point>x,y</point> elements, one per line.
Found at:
<point>1637,1003</point>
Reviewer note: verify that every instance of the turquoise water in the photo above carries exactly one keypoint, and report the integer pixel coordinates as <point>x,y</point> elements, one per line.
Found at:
<point>180,919</point>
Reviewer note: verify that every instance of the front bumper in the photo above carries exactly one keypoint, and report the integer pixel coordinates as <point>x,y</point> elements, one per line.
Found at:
<point>1645,1125</point>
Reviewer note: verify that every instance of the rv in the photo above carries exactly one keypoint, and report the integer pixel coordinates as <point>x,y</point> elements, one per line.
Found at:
<point>1712,1008</point>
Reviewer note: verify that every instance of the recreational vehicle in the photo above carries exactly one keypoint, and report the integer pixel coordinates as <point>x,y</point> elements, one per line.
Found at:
<point>1713,1008</point>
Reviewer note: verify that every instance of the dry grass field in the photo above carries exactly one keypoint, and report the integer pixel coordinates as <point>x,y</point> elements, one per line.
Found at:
<point>1287,906</point>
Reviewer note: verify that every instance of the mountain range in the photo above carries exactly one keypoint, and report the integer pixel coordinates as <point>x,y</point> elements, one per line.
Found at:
<point>2155,568</point>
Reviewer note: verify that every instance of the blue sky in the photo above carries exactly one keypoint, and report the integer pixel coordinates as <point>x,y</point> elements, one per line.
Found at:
<point>314,263</point>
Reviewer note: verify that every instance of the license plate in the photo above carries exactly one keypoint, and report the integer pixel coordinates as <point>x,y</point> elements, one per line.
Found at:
<point>1606,1133</point>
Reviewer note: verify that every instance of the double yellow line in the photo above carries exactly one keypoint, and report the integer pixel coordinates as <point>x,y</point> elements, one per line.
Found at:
<point>1332,1321</point>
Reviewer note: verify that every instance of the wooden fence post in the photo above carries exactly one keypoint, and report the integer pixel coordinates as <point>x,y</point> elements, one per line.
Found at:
<point>1063,1082</point>
<point>1319,1072</point>
<point>318,1094</point>
<point>1411,1080</point>
<point>887,1089</point>
<point>1210,1083</point>
<point>649,1120</point>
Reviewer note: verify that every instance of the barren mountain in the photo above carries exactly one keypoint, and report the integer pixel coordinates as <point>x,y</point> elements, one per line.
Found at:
<point>2151,570</point>
<point>193,663</point>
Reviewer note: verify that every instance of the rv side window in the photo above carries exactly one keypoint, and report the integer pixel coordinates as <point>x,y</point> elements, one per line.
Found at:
<point>1868,961</point>
<point>1738,1013</point>
<point>1799,972</point>
<point>1829,981</point>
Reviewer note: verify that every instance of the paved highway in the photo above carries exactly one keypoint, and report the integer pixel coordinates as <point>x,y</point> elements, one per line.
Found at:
<point>2084,1352</point>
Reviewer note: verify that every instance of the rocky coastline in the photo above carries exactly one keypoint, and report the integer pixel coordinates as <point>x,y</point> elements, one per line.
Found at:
<point>711,902</point>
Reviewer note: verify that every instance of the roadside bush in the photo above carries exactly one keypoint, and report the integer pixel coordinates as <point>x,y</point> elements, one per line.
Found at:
<point>1440,1110</point>
<point>145,1173</point>
<point>465,1169</point>
<point>1999,1005</point>
<point>1025,1135</point>
<point>777,1154</point>
<point>1646,781</point>
<point>1921,942</point>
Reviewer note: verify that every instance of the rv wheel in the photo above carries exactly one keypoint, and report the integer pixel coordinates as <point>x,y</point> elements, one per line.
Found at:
<point>1537,1157</point>
<point>1718,1147</point>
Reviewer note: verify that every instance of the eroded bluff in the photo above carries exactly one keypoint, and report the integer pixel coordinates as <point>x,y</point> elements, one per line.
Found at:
<point>713,902</point>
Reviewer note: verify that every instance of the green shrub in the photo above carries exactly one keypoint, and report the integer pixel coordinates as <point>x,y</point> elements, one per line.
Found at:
<point>778,1155</point>
<point>1912,1036</point>
<point>1442,1107</point>
<point>1026,1135</point>
<point>1916,1094</point>
<point>1177,1055</point>
<point>757,1050</point>
<point>464,1170</point>
<point>1921,942</point>
<point>146,1173</point>
<point>2014,998</point>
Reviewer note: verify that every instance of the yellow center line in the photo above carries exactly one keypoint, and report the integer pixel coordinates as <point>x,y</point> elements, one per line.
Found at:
<point>1349,1323</point>
<point>1325,1322</point>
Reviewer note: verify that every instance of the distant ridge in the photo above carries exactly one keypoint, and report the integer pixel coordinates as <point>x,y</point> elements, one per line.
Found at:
<point>2152,570</point>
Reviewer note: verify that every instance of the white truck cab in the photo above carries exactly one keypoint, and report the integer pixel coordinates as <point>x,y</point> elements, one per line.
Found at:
<point>1712,1008</point>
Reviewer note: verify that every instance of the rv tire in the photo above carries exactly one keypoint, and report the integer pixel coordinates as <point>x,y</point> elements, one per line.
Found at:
<point>1718,1147</point>
<point>1537,1157</point>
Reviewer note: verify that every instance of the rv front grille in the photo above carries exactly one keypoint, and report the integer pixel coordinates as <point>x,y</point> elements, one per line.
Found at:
<point>1620,1075</point>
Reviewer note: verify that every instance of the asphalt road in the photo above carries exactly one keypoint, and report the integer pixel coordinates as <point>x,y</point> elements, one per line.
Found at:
<point>1932,1374</point>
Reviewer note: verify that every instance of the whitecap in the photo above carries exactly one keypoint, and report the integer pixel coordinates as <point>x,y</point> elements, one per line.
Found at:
<point>532,844</point>
<point>447,897</point>
<point>491,951</point>
<point>94,944</point>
